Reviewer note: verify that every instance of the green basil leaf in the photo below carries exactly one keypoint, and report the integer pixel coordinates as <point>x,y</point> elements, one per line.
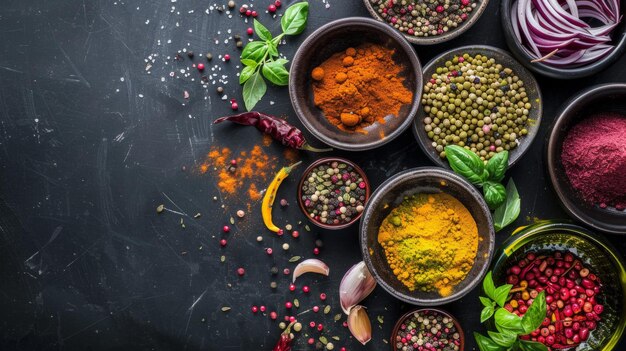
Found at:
<point>496,166</point>
<point>248,62</point>
<point>535,314</point>
<point>488,286</point>
<point>501,339</point>
<point>255,51</point>
<point>486,301</point>
<point>507,212</point>
<point>486,313</point>
<point>272,49</point>
<point>295,18</point>
<point>494,193</point>
<point>246,73</point>
<point>466,163</point>
<point>253,90</point>
<point>501,293</point>
<point>527,345</point>
<point>507,322</point>
<point>486,344</point>
<point>263,33</point>
<point>275,72</point>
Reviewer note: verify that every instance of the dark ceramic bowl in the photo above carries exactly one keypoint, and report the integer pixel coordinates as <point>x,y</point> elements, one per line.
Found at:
<point>389,195</point>
<point>337,36</point>
<point>305,176</point>
<point>502,57</point>
<point>619,40</point>
<point>451,34</point>
<point>597,99</point>
<point>595,252</point>
<point>443,313</point>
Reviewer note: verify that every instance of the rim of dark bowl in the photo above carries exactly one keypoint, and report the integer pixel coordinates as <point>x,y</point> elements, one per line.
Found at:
<point>405,316</point>
<point>414,62</point>
<point>326,160</point>
<point>564,116</point>
<point>471,20</point>
<point>430,172</point>
<point>529,81</point>
<point>553,72</point>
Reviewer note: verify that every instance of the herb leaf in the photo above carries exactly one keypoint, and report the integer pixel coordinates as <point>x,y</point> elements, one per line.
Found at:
<point>486,313</point>
<point>506,213</point>
<point>507,322</point>
<point>489,287</point>
<point>501,294</point>
<point>486,344</point>
<point>535,314</point>
<point>295,18</point>
<point>502,339</point>
<point>263,33</point>
<point>466,163</point>
<point>494,193</point>
<point>253,90</point>
<point>275,72</point>
<point>272,48</point>
<point>496,166</point>
<point>527,345</point>
<point>246,73</point>
<point>254,50</point>
<point>248,62</point>
<point>486,301</point>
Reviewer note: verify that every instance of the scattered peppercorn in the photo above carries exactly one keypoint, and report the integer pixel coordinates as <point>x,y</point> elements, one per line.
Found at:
<point>284,203</point>
<point>273,285</point>
<point>226,229</point>
<point>271,8</point>
<point>220,90</point>
<point>295,234</point>
<point>231,4</point>
<point>223,242</point>
<point>241,271</point>
<point>200,67</point>
<point>227,57</point>
<point>274,270</point>
<point>190,54</point>
<point>241,213</point>
<point>250,31</point>
<point>239,44</point>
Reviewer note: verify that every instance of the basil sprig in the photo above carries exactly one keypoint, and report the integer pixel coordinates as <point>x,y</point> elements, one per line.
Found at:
<point>261,58</point>
<point>489,176</point>
<point>509,326</point>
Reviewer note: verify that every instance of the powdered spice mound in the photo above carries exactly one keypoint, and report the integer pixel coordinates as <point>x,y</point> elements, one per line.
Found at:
<point>594,158</point>
<point>249,173</point>
<point>359,87</point>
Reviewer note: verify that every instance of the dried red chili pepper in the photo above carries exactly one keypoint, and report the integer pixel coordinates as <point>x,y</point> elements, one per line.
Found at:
<point>285,341</point>
<point>277,128</point>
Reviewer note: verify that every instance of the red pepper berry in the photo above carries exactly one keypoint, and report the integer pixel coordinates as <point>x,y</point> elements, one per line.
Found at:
<point>286,271</point>
<point>273,315</point>
<point>322,296</point>
<point>254,14</point>
<point>288,304</point>
<point>241,271</point>
<point>292,319</point>
<point>461,59</point>
<point>234,106</point>
<point>242,10</point>
<point>271,8</point>
<point>345,324</point>
<point>255,309</point>
<point>250,31</point>
<point>295,234</point>
<point>227,57</point>
<point>316,251</point>
<point>262,308</point>
<point>269,251</point>
<point>226,229</point>
<point>286,318</point>
<point>277,3</point>
<point>316,309</point>
<point>223,242</point>
<point>305,289</point>
<point>292,287</point>
<point>439,9</point>
<point>312,324</point>
<point>248,13</point>
<point>465,2</point>
<point>201,67</point>
<point>233,162</point>
<point>320,327</point>
<point>311,341</point>
<point>280,232</point>
<point>342,349</point>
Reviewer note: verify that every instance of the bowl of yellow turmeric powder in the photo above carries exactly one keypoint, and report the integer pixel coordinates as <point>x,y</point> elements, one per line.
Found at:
<point>355,83</point>
<point>427,236</point>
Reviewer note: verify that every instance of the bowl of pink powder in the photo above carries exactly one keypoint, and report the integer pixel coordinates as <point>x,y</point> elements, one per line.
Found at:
<point>587,157</point>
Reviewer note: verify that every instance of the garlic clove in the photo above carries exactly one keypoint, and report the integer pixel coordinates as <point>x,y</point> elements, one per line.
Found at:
<point>311,265</point>
<point>355,286</point>
<point>359,324</point>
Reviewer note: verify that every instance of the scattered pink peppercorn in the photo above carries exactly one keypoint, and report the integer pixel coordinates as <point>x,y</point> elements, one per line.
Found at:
<point>316,309</point>
<point>255,309</point>
<point>277,3</point>
<point>273,315</point>
<point>286,318</point>
<point>223,242</point>
<point>201,67</point>
<point>295,234</point>
<point>465,2</point>
<point>271,8</point>
<point>250,31</point>
<point>461,59</point>
<point>288,304</point>
<point>226,229</point>
<point>312,324</point>
<point>316,251</point>
<point>322,296</point>
<point>292,287</point>
<point>234,106</point>
<point>311,341</point>
<point>439,9</point>
<point>280,232</point>
<point>343,349</point>
<point>248,13</point>
<point>292,319</point>
<point>254,14</point>
<point>286,271</point>
<point>320,327</point>
<point>269,251</point>
<point>233,162</point>
<point>262,308</point>
<point>241,271</point>
<point>227,57</point>
<point>305,289</point>
<point>345,324</point>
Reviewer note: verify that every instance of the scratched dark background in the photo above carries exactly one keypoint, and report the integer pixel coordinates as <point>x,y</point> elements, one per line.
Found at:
<point>94,134</point>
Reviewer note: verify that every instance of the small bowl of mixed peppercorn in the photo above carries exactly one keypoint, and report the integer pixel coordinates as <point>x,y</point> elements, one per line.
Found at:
<point>428,22</point>
<point>427,329</point>
<point>332,192</point>
<point>584,280</point>
<point>480,98</point>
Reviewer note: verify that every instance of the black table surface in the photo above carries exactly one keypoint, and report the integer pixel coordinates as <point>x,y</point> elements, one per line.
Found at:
<point>94,135</point>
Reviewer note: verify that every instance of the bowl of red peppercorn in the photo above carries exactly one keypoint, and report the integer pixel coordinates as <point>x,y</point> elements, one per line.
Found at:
<point>428,22</point>
<point>586,158</point>
<point>428,328</point>
<point>332,192</point>
<point>583,277</point>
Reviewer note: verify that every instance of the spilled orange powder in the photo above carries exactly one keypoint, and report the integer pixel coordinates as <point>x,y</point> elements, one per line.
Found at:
<point>267,140</point>
<point>291,155</point>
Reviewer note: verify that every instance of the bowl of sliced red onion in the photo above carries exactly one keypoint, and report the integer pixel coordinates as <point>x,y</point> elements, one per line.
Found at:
<point>565,39</point>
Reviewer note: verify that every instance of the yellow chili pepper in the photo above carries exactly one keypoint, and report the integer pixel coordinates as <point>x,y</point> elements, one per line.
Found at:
<point>270,196</point>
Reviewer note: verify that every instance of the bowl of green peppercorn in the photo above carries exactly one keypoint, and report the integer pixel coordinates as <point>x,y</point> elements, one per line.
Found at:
<point>478,97</point>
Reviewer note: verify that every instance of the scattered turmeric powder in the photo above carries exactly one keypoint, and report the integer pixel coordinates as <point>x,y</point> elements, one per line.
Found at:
<point>359,87</point>
<point>430,241</point>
